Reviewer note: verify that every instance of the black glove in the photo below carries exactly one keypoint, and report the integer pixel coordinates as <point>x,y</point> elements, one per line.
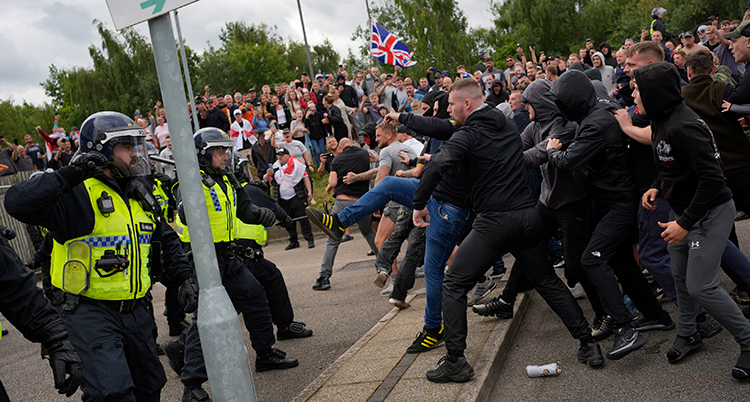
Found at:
<point>287,221</point>
<point>7,233</point>
<point>83,166</point>
<point>265,216</point>
<point>188,295</point>
<point>63,358</point>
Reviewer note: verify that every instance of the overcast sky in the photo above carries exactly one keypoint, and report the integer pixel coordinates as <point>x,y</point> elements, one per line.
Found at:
<point>43,32</point>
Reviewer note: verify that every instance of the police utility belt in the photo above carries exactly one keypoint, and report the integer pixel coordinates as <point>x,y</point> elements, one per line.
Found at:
<point>233,249</point>
<point>70,303</point>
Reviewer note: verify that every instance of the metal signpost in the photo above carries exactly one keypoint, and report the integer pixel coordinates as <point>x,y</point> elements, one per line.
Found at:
<point>224,351</point>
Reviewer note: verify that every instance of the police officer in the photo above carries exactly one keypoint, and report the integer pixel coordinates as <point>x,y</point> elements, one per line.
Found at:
<point>250,240</point>
<point>227,203</point>
<point>103,219</point>
<point>24,305</point>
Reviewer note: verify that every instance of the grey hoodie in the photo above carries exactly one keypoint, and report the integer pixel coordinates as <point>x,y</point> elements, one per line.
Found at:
<point>609,78</point>
<point>559,188</point>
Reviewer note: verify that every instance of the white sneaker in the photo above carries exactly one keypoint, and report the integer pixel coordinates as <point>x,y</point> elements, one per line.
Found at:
<point>480,290</point>
<point>387,291</point>
<point>578,291</point>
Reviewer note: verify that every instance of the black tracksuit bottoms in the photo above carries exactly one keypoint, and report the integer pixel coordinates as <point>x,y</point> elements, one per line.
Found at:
<point>575,221</point>
<point>609,258</point>
<point>494,234</point>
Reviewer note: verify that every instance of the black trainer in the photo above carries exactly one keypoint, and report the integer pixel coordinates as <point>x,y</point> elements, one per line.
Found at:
<point>329,224</point>
<point>273,359</point>
<point>426,340</point>
<point>460,371</point>
<point>663,324</point>
<point>497,307</point>
<point>195,395</point>
<point>627,339</point>
<point>708,327</point>
<point>684,345</point>
<point>591,354</point>
<point>176,329</point>
<point>175,352</point>
<point>602,328</point>
<point>311,243</point>
<point>741,370</point>
<point>292,245</point>
<point>295,330</point>
<point>322,283</point>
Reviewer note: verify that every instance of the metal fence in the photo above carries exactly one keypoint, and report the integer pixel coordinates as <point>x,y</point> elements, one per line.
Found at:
<point>22,242</point>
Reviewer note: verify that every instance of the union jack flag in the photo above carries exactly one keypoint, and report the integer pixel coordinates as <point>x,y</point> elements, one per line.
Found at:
<point>389,50</point>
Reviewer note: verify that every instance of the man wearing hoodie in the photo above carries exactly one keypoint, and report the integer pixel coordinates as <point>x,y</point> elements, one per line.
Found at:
<point>601,150</point>
<point>496,95</point>
<point>562,203</point>
<point>691,179</point>
<point>488,145</point>
<point>609,78</point>
<point>609,58</point>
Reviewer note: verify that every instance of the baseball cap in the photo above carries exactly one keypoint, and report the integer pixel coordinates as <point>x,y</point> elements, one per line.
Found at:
<point>445,73</point>
<point>687,33</point>
<point>712,18</point>
<point>742,30</point>
<point>438,75</point>
<point>403,129</point>
<point>251,90</point>
<point>282,151</point>
<point>318,76</point>
<point>237,111</point>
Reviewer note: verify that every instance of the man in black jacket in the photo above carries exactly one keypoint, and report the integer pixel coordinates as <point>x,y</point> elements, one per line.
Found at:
<point>506,222</point>
<point>691,179</point>
<point>562,203</point>
<point>348,95</point>
<point>212,116</point>
<point>600,149</point>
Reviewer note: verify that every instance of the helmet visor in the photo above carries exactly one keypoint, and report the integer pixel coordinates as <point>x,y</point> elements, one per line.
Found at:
<point>130,156</point>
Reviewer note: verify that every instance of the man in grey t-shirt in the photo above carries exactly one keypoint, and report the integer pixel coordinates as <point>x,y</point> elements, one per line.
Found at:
<point>388,164</point>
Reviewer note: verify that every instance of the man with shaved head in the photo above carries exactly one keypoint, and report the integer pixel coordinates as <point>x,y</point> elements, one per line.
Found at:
<point>506,221</point>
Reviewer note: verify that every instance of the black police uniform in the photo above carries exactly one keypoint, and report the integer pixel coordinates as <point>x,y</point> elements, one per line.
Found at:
<point>117,347</point>
<point>24,305</point>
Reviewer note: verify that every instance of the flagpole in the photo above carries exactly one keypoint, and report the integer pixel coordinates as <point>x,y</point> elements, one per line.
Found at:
<point>304,35</point>
<point>369,24</point>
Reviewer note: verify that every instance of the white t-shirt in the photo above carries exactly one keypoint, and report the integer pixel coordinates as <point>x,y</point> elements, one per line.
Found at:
<point>280,116</point>
<point>415,145</point>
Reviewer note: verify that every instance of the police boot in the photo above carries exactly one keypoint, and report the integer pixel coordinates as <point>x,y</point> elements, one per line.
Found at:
<point>294,330</point>
<point>175,351</point>
<point>175,329</point>
<point>195,395</point>
<point>273,359</point>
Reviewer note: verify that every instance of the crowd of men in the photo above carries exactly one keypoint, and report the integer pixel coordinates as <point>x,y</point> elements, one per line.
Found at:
<point>596,152</point>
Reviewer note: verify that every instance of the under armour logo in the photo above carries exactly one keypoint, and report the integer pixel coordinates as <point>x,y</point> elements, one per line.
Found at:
<point>694,245</point>
<point>596,254</point>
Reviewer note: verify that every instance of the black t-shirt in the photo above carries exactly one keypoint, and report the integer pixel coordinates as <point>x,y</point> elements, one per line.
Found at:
<point>351,159</point>
<point>644,167</point>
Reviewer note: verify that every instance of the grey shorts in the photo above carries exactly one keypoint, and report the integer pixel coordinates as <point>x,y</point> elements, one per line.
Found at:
<point>391,210</point>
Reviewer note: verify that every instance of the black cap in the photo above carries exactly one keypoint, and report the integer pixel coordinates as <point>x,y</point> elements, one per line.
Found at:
<point>712,18</point>
<point>282,151</point>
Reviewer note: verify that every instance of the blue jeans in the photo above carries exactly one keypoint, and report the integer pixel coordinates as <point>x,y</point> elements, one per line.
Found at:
<point>391,188</point>
<point>447,223</point>
<point>318,147</point>
<point>652,249</point>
